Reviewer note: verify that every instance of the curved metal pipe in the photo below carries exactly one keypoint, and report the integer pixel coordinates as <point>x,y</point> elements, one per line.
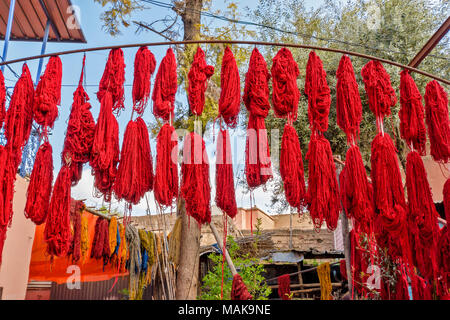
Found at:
<point>275,44</point>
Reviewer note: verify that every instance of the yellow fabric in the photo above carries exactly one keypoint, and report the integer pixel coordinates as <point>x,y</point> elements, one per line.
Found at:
<point>112,234</point>
<point>84,236</point>
<point>323,271</point>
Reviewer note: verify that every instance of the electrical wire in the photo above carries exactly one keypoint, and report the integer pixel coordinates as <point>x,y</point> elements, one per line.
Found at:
<point>250,23</point>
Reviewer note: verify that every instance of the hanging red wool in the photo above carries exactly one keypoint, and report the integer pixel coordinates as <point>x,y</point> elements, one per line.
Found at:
<point>401,287</point>
<point>412,126</point>
<point>76,209</point>
<point>195,187</point>
<point>144,67</point>
<point>113,80</point>
<point>348,101</point>
<point>2,99</point>
<point>444,261</point>
<point>80,132</point>
<point>8,169</point>
<point>446,195</point>
<point>225,192</point>
<point>135,172</point>
<point>230,83</point>
<point>166,173</point>
<point>47,96</point>
<point>322,196</point>
<point>100,244</point>
<point>19,116</point>
<point>438,123</point>
<point>57,228</point>
<point>420,289</point>
<point>378,87</point>
<point>165,87</point>
<point>256,98</point>
<point>291,167</point>
<point>356,191</point>
<point>422,216</point>
<point>389,198</point>
<point>239,290</point>
<point>284,287</point>
<point>105,149</point>
<point>198,76</point>
<point>318,92</point>
<point>3,231</point>
<point>40,187</point>
<point>285,95</point>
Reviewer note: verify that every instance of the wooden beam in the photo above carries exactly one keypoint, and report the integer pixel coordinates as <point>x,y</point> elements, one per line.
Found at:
<point>431,44</point>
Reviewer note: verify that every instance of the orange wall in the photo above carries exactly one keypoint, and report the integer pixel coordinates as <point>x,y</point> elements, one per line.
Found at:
<point>17,250</point>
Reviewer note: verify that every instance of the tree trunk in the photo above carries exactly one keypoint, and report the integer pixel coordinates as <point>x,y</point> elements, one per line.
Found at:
<point>187,275</point>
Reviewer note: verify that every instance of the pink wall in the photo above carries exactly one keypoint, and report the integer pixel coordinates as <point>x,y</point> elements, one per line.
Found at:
<point>17,251</point>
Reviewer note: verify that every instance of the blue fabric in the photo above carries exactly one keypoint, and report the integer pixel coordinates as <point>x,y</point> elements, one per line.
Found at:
<point>118,241</point>
<point>144,260</point>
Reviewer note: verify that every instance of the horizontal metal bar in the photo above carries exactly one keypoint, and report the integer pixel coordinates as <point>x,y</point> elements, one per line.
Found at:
<point>274,44</point>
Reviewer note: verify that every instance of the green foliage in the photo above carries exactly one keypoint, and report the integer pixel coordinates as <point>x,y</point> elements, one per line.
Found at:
<point>249,269</point>
<point>118,14</point>
<point>389,29</point>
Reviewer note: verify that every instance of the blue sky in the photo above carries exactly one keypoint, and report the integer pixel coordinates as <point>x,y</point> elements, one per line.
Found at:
<point>95,62</point>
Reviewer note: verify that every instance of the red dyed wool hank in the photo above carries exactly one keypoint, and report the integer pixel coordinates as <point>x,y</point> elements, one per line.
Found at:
<point>57,231</point>
<point>446,196</point>
<point>144,67</point>
<point>165,87</point>
<point>230,95</point>
<point>40,187</point>
<point>76,209</point>
<point>389,197</point>
<point>100,244</point>
<point>113,80</point>
<point>105,149</point>
<point>322,197</point>
<point>166,173</point>
<point>291,168</point>
<point>422,216</point>
<point>356,191</point>
<point>348,101</point>
<point>225,192</point>
<point>47,96</point>
<point>195,187</point>
<point>8,170</point>
<point>198,76</point>
<point>80,132</point>
<point>412,125</point>
<point>438,123</point>
<point>135,172</point>
<point>285,95</point>
<point>19,116</point>
<point>239,290</point>
<point>380,93</point>
<point>284,287</point>
<point>3,231</point>
<point>318,92</point>
<point>2,99</point>
<point>443,261</point>
<point>256,98</point>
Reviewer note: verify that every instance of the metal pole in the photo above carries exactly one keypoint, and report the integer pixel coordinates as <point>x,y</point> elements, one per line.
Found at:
<point>12,5</point>
<point>220,244</point>
<point>44,47</point>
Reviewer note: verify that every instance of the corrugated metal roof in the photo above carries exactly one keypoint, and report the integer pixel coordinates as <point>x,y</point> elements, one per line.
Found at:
<point>99,290</point>
<point>30,19</point>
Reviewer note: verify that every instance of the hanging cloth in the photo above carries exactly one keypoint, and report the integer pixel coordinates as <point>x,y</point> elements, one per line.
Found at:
<point>239,290</point>
<point>323,271</point>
